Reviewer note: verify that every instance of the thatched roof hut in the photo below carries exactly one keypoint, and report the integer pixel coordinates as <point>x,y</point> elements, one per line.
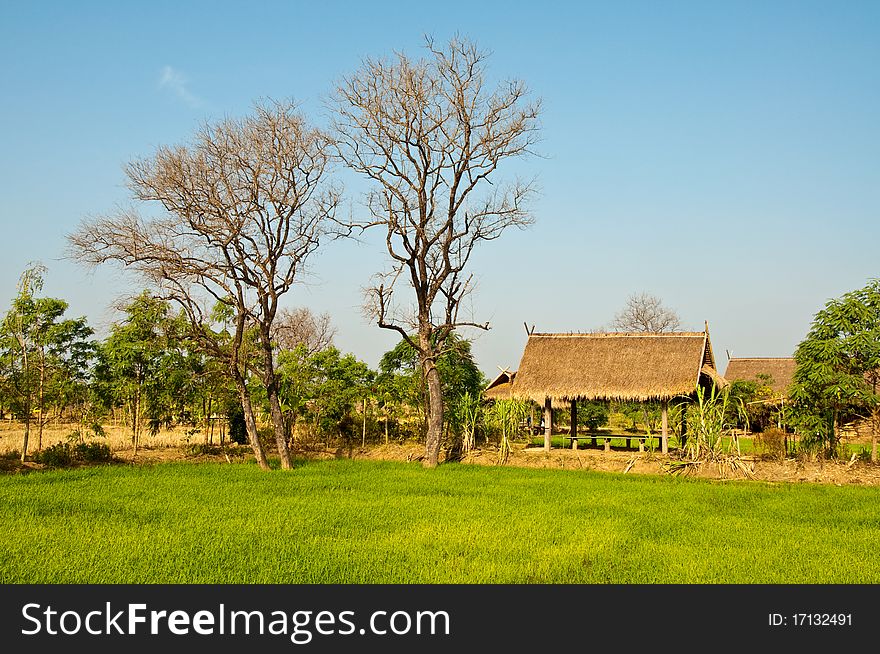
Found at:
<point>500,387</point>
<point>615,366</point>
<point>780,371</point>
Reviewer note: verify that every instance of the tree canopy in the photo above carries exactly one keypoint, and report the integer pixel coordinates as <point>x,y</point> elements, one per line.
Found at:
<point>838,367</point>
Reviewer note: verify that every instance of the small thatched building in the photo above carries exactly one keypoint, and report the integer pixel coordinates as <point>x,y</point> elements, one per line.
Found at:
<point>775,372</point>
<point>565,368</point>
<point>499,388</point>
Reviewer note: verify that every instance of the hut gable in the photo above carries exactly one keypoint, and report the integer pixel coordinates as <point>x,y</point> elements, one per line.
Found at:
<point>499,388</point>
<point>780,370</point>
<point>614,366</point>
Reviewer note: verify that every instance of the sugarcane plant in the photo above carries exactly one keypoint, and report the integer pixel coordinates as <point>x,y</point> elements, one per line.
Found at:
<point>713,414</point>
<point>468,412</point>
<point>506,416</point>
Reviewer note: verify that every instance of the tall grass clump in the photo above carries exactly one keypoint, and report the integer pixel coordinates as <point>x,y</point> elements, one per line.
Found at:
<point>713,414</point>
<point>506,416</point>
<point>467,412</point>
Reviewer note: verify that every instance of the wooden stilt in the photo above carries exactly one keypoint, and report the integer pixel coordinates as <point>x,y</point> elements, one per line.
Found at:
<point>684,423</point>
<point>664,443</point>
<point>573,430</point>
<point>548,423</point>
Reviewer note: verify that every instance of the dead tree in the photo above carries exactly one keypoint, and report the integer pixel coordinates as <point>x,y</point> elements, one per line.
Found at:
<point>242,208</point>
<point>430,137</point>
<point>295,327</point>
<point>646,313</point>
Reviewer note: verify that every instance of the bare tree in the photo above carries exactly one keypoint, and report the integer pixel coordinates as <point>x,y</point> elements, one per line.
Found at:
<point>243,207</point>
<point>430,137</point>
<point>646,313</point>
<point>294,327</point>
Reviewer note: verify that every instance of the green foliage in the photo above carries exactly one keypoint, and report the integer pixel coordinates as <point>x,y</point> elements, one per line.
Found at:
<point>235,420</point>
<point>91,452</point>
<point>647,414</point>
<point>758,399</point>
<point>466,415</point>
<point>708,419</point>
<point>62,455</point>
<point>838,367</point>
<point>44,359</point>
<point>146,366</point>
<point>401,381</point>
<point>324,388</point>
<point>505,417</point>
<point>593,414</point>
<point>57,456</point>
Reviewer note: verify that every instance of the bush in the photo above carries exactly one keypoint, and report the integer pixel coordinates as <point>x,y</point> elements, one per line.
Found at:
<point>57,456</point>
<point>237,428</point>
<point>201,449</point>
<point>62,455</point>
<point>92,452</point>
<point>770,443</point>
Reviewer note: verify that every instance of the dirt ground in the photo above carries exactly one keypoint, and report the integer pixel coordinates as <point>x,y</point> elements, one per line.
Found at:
<point>173,447</point>
<point>629,462</point>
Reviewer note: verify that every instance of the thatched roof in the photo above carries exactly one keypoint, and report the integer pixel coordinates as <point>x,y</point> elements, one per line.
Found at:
<point>614,366</point>
<point>780,370</point>
<point>499,388</point>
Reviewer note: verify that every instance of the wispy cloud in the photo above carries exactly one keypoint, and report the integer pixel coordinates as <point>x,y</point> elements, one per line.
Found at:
<point>175,82</point>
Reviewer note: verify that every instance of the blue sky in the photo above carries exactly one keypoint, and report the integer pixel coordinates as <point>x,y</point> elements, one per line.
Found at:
<point>723,156</point>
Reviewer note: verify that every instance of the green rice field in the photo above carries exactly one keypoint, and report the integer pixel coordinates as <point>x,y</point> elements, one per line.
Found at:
<point>346,521</point>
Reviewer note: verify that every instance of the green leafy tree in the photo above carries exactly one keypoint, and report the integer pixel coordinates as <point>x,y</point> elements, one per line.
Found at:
<point>401,376</point>
<point>324,387</point>
<point>42,354</point>
<point>593,414</point>
<point>838,368</point>
<point>138,365</point>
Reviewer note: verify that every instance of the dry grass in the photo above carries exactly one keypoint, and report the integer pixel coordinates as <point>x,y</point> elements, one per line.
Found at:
<point>118,437</point>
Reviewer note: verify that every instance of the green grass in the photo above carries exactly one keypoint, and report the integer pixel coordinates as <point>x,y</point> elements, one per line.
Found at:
<point>363,522</point>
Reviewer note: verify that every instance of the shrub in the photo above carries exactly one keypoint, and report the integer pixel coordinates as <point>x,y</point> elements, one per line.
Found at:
<point>92,452</point>
<point>57,456</point>
<point>201,449</point>
<point>237,427</point>
<point>770,444</point>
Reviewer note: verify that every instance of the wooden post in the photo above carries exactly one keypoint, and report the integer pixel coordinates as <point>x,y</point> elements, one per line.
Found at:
<point>548,423</point>
<point>684,423</point>
<point>574,425</point>
<point>607,444</point>
<point>664,443</point>
<point>364,433</point>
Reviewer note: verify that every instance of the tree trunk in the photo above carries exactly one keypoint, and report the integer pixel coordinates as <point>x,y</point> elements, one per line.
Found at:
<point>435,414</point>
<point>875,423</point>
<point>27,431</point>
<point>136,421</point>
<point>250,423</point>
<point>40,406</point>
<point>210,421</point>
<point>27,410</point>
<point>270,381</point>
<point>364,432</point>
